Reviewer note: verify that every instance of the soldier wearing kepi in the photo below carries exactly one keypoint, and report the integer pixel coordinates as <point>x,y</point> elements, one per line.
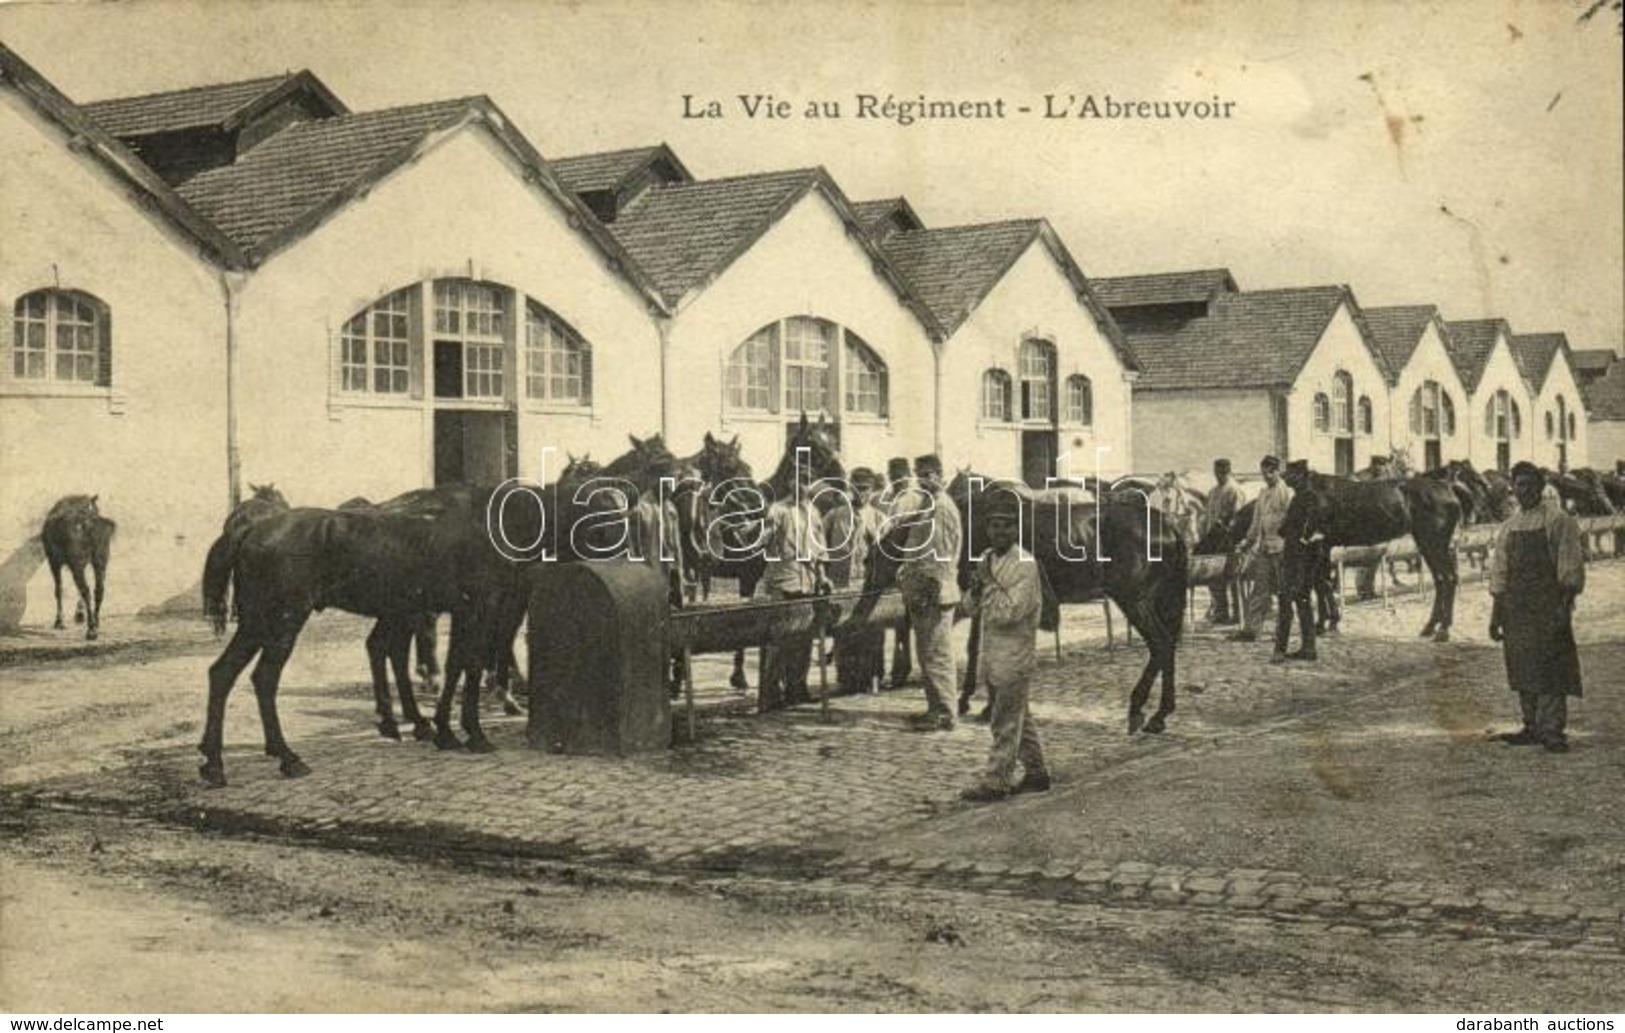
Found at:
<point>1264,547</point>
<point>1222,503</point>
<point>1007,596</point>
<point>1536,572</point>
<point>898,495</point>
<point>1302,532</point>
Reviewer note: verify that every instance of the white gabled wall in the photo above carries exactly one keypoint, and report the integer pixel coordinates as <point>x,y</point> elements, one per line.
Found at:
<point>153,447</point>
<point>1184,431</point>
<point>462,210</point>
<point>1605,443</point>
<point>1430,361</point>
<point>1560,383</point>
<point>1034,300</point>
<point>1340,348</point>
<point>807,264</point>
<point>1501,373</point>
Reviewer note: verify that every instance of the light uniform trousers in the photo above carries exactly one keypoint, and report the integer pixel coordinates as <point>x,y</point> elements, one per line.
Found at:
<point>933,639</point>
<point>1546,715</point>
<point>1266,584</point>
<point>1015,737</point>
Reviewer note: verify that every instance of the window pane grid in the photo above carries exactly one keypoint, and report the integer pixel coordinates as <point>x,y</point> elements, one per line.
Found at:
<point>556,371</point>
<point>1080,402</point>
<point>996,395</point>
<point>375,347</point>
<point>57,336</point>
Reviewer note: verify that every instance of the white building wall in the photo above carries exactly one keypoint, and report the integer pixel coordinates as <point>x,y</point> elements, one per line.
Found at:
<point>1185,431</point>
<point>1340,348</point>
<point>1560,383</point>
<point>1430,361</point>
<point>1034,300</point>
<point>462,210</point>
<point>1501,373</point>
<point>153,447</point>
<point>807,264</point>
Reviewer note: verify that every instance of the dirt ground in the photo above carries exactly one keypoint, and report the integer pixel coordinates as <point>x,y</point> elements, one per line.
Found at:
<point>106,913</point>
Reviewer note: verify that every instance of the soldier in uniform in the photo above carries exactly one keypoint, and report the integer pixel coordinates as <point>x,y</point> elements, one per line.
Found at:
<point>795,570</point>
<point>1007,597</point>
<point>1300,564</point>
<point>1536,573</point>
<point>1263,547</point>
<point>1222,504</point>
<point>929,582</point>
<point>895,496</point>
<point>850,533</point>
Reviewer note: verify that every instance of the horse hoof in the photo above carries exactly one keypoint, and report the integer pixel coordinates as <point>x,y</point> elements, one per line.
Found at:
<point>739,682</point>
<point>1427,632</point>
<point>389,730</point>
<point>447,741</point>
<point>58,625</point>
<point>1136,721</point>
<point>293,767</point>
<point>213,775</point>
<point>422,731</point>
<point>1155,726</point>
<point>1442,635</point>
<point>480,744</point>
<point>90,636</point>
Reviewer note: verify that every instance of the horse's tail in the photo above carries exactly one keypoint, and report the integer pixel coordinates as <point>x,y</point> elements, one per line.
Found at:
<point>1469,512</point>
<point>217,579</point>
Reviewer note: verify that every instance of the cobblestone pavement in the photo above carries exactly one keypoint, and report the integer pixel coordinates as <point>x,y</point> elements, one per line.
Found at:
<point>1385,733</point>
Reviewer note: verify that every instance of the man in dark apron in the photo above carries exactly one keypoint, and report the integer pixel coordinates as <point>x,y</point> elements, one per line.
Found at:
<point>1535,575</point>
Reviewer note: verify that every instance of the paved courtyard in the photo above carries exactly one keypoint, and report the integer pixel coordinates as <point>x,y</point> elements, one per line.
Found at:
<point>1360,791</point>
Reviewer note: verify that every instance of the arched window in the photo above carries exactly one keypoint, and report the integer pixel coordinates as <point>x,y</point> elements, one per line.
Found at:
<point>1343,404</point>
<point>866,388</point>
<point>1363,416</point>
<point>1502,420</point>
<point>558,363</point>
<point>794,365</point>
<point>376,353</point>
<point>1551,425</point>
<point>996,392</point>
<point>1080,400</point>
<point>1574,428</point>
<point>1037,381</point>
<point>63,337</point>
<point>1323,412</point>
<point>1429,406</point>
<point>1563,419</point>
<point>471,319</point>
<point>1447,414</point>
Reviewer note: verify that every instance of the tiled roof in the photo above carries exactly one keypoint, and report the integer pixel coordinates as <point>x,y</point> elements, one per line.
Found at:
<point>1534,354</point>
<point>1162,288</point>
<point>192,108</point>
<point>681,234</point>
<point>870,213</point>
<point>1247,340</point>
<point>1605,396</point>
<point>292,174</point>
<point>1592,360</point>
<point>582,173</point>
<point>1470,342</point>
<point>953,268</point>
<point>113,155</point>
<point>1396,330</point>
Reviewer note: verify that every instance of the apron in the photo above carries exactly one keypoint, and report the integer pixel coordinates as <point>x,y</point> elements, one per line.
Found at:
<point>1541,656</point>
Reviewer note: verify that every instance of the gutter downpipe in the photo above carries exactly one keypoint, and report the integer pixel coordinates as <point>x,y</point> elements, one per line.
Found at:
<point>230,284</point>
<point>937,345</point>
<point>663,329</point>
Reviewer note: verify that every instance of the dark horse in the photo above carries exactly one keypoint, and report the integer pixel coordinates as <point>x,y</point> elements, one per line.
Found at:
<point>1374,512</point>
<point>76,534</point>
<point>1115,546</point>
<point>265,501</point>
<point>374,563</point>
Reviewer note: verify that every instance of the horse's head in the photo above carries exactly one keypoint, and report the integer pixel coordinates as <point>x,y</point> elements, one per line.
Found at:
<point>268,493</point>
<point>824,460</point>
<point>75,511</point>
<point>720,461</point>
<point>1585,490</point>
<point>580,468</point>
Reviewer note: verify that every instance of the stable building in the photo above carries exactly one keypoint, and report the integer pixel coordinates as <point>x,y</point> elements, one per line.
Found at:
<point>1032,376</point>
<point>1605,418</point>
<point>1554,399</point>
<point>1498,395</point>
<point>1429,402</point>
<point>1242,374</point>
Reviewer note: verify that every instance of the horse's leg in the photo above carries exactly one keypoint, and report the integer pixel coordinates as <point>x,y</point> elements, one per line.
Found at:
<point>1141,691</point>
<point>98,567</point>
<point>399,650</point>
<point>267,674</point>
<point>737,680</point>
<point>223,674</point>
<point>78,570</point>
<point>1441,564</point>
<point>379,643</point>
<point>56,576</point>
<point>477,742</point>
<point>424,635</point>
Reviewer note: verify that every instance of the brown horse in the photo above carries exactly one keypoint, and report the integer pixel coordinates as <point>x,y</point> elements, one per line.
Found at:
<point>1378,511</point>
<point>1116,546</point>
<point>265,502</point>
<point>76,534</point>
